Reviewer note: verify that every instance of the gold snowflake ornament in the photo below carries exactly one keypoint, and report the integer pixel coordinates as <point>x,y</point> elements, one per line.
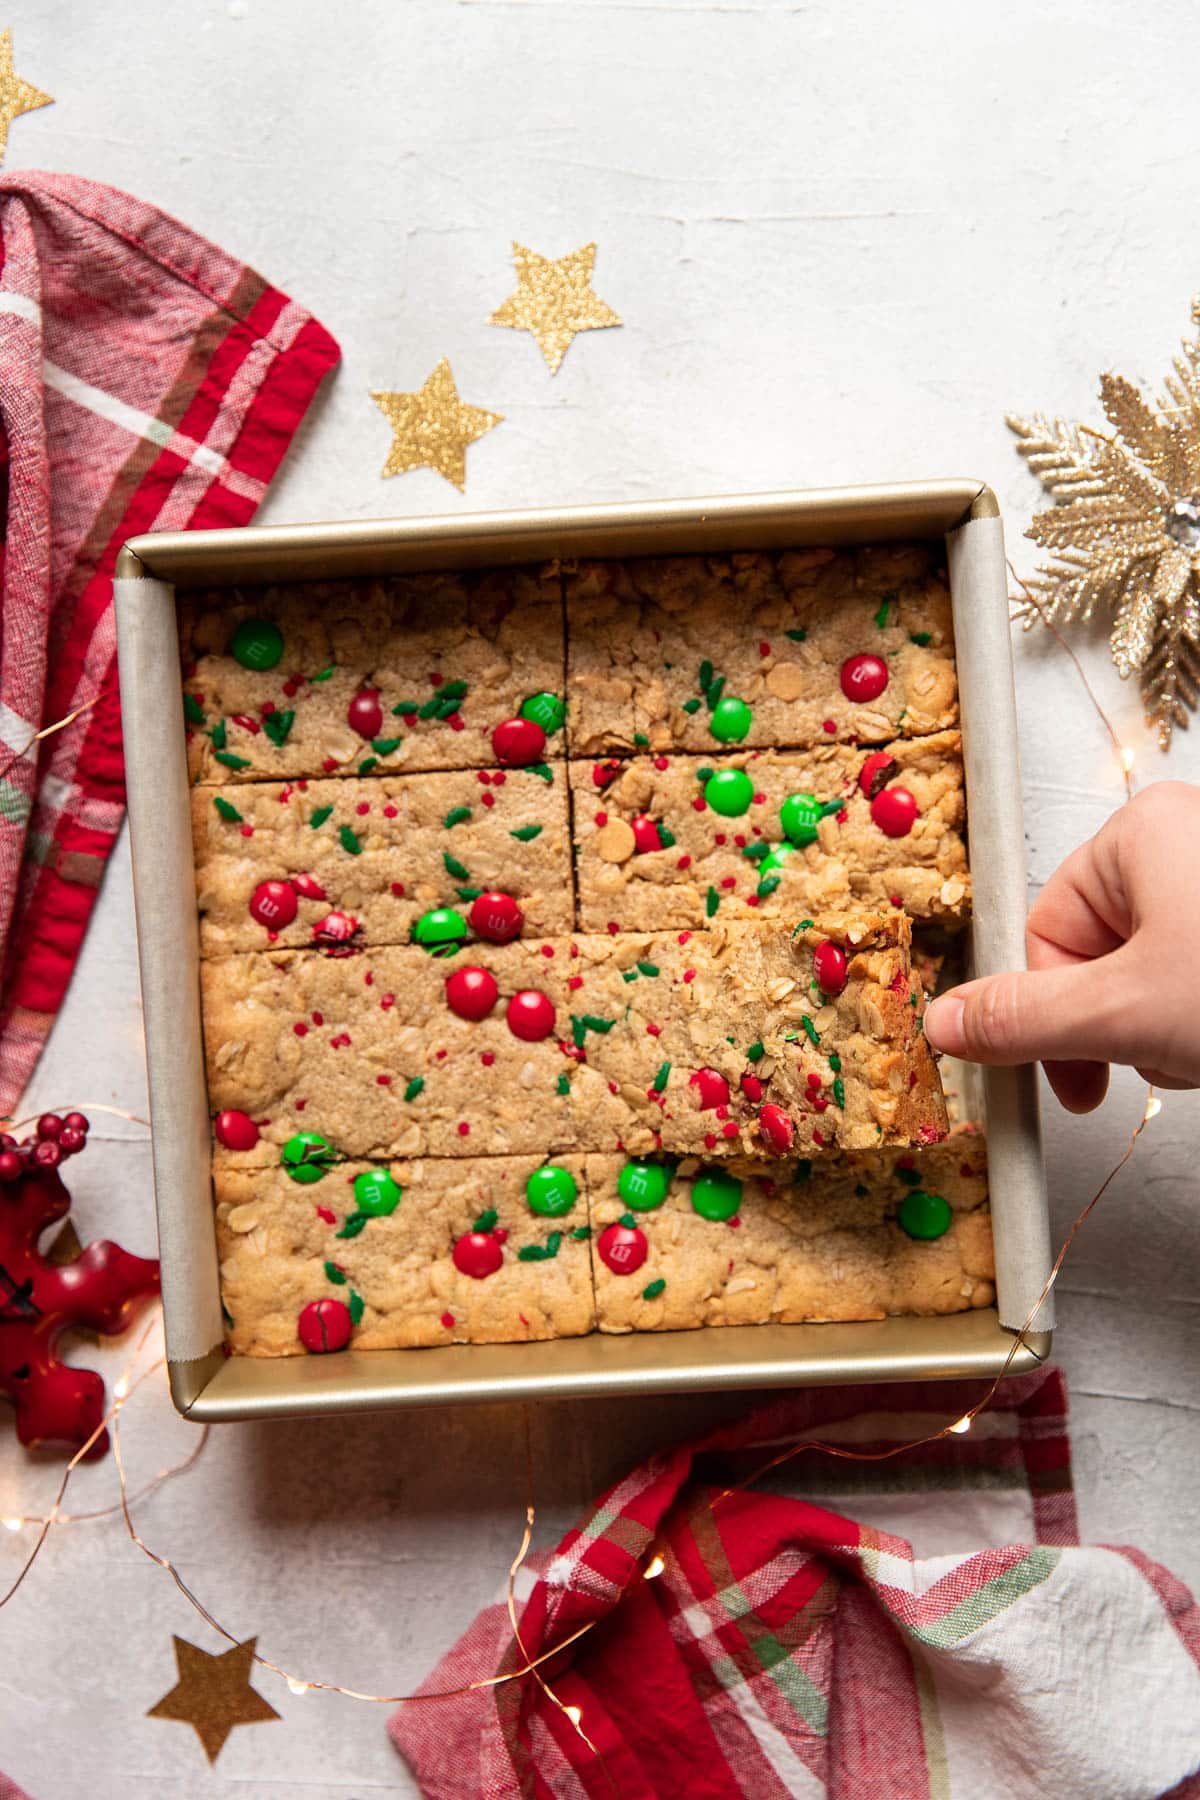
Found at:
<point>1125,532</point>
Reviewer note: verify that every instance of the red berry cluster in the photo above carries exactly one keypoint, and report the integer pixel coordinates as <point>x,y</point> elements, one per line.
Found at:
<point>54,1140</point>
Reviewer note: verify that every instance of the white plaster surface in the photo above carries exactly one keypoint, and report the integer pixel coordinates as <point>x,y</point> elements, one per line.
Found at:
<point>845,238</point>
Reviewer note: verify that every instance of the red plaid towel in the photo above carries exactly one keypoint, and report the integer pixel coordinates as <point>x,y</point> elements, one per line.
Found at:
<point>147,380</point>
<point>786,1650</point>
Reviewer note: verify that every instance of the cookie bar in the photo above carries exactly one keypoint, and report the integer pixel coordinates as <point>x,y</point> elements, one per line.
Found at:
<point>681,840</point>
<point>736,1244</point>
<point>689,1041</point>
<point>806,647</point>
<point>417,1253</point>
<point>274,860</point>
<point>333,678</point>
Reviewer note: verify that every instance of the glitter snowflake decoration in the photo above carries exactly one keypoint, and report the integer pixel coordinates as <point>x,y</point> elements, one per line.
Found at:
<point>1124,533</point>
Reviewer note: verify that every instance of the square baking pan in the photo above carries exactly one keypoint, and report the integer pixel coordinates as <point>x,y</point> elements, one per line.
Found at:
<point>208,1385</point>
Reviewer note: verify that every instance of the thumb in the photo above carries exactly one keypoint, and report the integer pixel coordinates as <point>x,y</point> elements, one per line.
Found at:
<point>1070,1013</point>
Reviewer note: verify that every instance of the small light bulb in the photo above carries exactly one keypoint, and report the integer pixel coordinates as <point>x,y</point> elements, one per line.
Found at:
<point>963,1424</point>
<point>297,1687</point>
<point>1153,1108</point>
<point>573,1713</point>
<point>654,1567</point>
<point>1127,758</point>
<point>11,1524</point>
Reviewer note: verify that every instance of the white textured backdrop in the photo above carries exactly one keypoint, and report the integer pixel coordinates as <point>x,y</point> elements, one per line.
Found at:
<point>845,239</point>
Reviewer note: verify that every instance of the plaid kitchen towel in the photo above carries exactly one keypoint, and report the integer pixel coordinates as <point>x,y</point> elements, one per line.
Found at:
<point>148,381</point>
<point>945,1638</point>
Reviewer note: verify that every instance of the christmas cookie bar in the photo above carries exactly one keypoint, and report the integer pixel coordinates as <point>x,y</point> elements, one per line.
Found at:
<point>394,1256</point>
<point>857,1237</point>
<point>441,671</point>
<point>358,861</point>
<point>740,1037</point>
<point>806,647</point>
<point>683,840</point>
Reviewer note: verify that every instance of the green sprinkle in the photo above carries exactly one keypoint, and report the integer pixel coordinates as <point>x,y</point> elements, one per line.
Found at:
<point>581,1233</point>
<point>666,838</point>
<point>542,769</point>
<point>468,893</point>
<point>711,902</point>
<point>714,693</point>
<point>563,1085</point>
<point>756,1052</point>
<point>903,716</point>
<point>881,617</point>
<point>704,774</point>
<point>454,867</point>
<point>453,690</point>
<point>755,852</point>
<point>691,706</point>
<point>334,1274</point>
<point>839,1092</point>
<point>458,815</point>
<point>357,1221</point>
<point>385,746</point>
<point>415,1086</point>
<point>367,764</point>
<point>861,1192</point>
<point>320,816</point>
<point>429,708</point>
<point>226,810</point>
<point>768,886</point>
<point>811,1032</point>
<point>402,707</point>
<point>628,974</point>
<point>325,673</point>
<point>486,1220</point>
<point>920,637</point>
<point>835,1062</point>
<point>231,761</point>
<point>356,1307</point>
<point>539,1252</point>
<point>648,968</point>
<point>704,679</point>
<point>447,705</point>
<point>641,740</point>
<point>193,712</point>
<point>277,726</point>
<point>661,1079</point>
<point>804,925</point>
<point>581,1025</point>
<point>909,1177</point>
<point>797,637</point>
<point>349,842</point>
<point>653,1289</point>
<point>218,735</point>
<point>525,834</point>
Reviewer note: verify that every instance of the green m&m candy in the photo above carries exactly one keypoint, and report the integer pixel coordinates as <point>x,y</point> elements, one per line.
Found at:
<point>440,931</point>
<point>308,1157</point>
<point>716,1195</point>
<point>551,1192</point>
<point>546,710</point>
<point>257,644</point>
<point>925,1215</point>
<point>775,859</point>
<point>799,815</point>
<point>376,1193</point>
<point>729,792</point>
<point>731,720</point>
<point>643,1186</point>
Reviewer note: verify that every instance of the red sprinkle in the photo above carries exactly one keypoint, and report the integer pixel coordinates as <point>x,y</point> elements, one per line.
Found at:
<point>324,1213</point>
<point>699,804</point>
<point>386,1002</point>
<point>689,974</point>
<point>829,725</point>
<point>383,1080</point>
<point>764,649</point>
<point>730,1130</point>
<point>330,764</point>
<point>363,808</point>
<point>547,949</point>
<point>499,778</point>
<point>300,1028</point>
<point>601,818</point>
<point>751,899</point>
<point>448,1321</point>
<point>437,678</point>
<point>720,838</point>
<point>247,831</point>
<point>613,928</point>
<point>752,1087</point>
<point>318,1018</point>
<point>685,862</point>
<point>464,1130</point>
<point>398,889</point>
<point>729,881</point>
<point>760,800</point>
<point>488,799</point>
<point>574,982</point>
<point>487,1058</point>
<point>710,1142</point>
<point>683,937</point>
<point>661,762</point>
<point>814,1081</point>
<point>653,1030</point>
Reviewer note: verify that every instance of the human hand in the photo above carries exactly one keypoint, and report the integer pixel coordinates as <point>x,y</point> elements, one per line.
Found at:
<point>1114,962</point>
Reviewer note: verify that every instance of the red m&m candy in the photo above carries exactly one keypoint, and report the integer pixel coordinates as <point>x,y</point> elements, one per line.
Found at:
<point>308,887</point>
<point>530,1015</point>
<point>876,772</point>
<point>829,968</point>
<point>324,1325</point>
<point>864,677</point>
<point>336,933</point>
<point>365,715</point>
<point>471,993</point>
<point>236,1130</point>
<point>518,742</point>
<point>496,917</point>
<point>477,1254</point>
<point>711,1087</point>
<point>274,904</point>
<point>777,1129</point>
<point>622,1248</point>
<point>645,833</point>
<point>894,811</point>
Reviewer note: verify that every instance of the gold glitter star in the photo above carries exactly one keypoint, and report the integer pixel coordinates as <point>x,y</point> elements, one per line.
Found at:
<point>433,428</point>
<point>213,1694</point>
<point>554,301</point>
<point>16,96</point>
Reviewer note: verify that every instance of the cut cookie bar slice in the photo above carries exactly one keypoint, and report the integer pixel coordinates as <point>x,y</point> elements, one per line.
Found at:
<point>274,860</point>
<point>807,647</point>
<point>691,1041</point>
<point>334,678</point>
<point>681,840</point>
<point>677,1246</point>
<point>406,1254</point>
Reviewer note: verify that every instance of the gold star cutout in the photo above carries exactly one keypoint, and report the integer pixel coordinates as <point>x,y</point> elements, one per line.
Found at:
<point>433,428</point>
<point>554,301</point>
<point>213,1694</point>
<point>16,96</point>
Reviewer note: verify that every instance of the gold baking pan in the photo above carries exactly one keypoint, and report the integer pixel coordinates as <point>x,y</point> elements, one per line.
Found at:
<point>205,1384</point>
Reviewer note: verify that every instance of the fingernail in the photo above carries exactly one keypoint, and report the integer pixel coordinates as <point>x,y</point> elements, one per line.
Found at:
<point>943,1024</point>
